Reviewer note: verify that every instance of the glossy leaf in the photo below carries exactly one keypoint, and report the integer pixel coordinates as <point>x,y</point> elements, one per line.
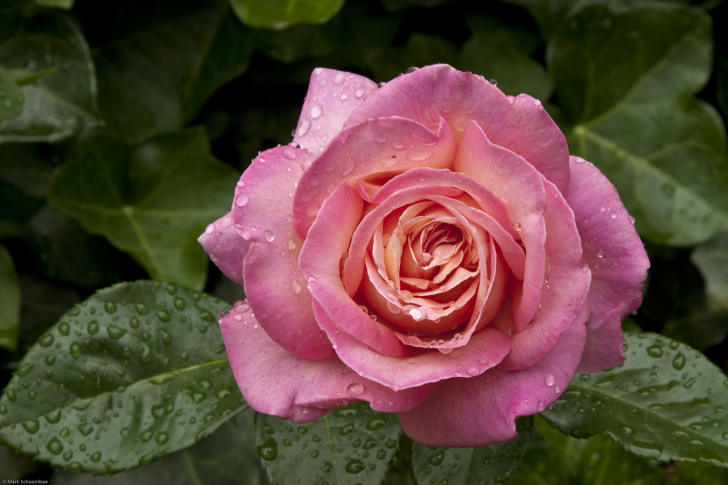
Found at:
<point>136,372</point>
<point>279,14</point>
<point>711,259</point>
<point>420,50</point>
<point>349,445</point>
<point>152,201</point>
<point>9,301</point>
<point>699,330</point>
<point>471,466</point>
<point>227,457</point>
<point>11,97</point>
<point>50,58</point>
<point>501,52</point>
<point>624,79</point>
<point>667,402</point>
<point>155,78</point>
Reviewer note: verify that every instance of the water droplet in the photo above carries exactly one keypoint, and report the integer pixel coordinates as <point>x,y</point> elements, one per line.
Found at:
<point>75,350</point>
<point>164,316</point>
<point>613,215</point>
<point>316,111</point>
<point>355,389</point>
<point>268,450</point>
<point>46,340</point>
<point>550,380</point>
<point>63,328</point>
<point>269,236</point>
<point>146,356</point>
<point>303,129</point>
<point>241,200</point>
<point>437,459</point>
<point>115,332</point>
<point>654,351</point>
<point>291,244</point>
<point>679,361</point>
<point>398,144</point>
<point>600,254</point>
<point>30,426</point>
<point>54,446</point>
<point>24,370</point>
<point>289,153</point>
<point>141,309</point>
<point>537,102</point>
<point>110,307</point>
<point>354,466</point>
<point>93,327</point>
<point>494,82</point>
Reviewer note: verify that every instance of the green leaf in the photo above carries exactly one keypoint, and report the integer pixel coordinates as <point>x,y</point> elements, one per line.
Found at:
<point>136,372</point>
<point>49,56</point>
<point>154,78</point>
<point>397,5</point>
<point>11,97</point>
<point>699,330</point>
<point>9,301</point>
<point>667,402</point>
<point>279,14</point>
<point>541,465</point>
<point>625,78</point>
<point>548,13</point>
<point>700,474</point>
<point>227,457</point>
<point>420,50</point>
<point>152,201</point>
<point>66,4</point>
<point>711,259</point>
<point>298,42</point>
<point>350,445</point>
<point>471,466</point>
<point>26,167</point>
<point>502,52</point>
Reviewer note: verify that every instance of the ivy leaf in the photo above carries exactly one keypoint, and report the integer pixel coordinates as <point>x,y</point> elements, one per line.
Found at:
<point>227,457</point>
<point>502,52</point>
<point>666,401</point>
<point>279,14</point>
<point>9,301</point>
<point>136,372</point>
<point>49,57</point>
<point>472,466</point>
<point>154,78</point>
<point>152,201</point>
<point>711,259</point>
<point>350,445</point>
<point>625,78</point>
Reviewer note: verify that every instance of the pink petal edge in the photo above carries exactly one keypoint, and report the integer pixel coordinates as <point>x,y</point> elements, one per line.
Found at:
<point>225,247</point>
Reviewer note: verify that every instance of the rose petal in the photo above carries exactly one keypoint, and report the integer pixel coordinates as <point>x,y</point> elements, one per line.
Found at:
<point>332,96</point>
<point>274,381</point>
<point>327,241</point>
<point>274,285</point>
<point>563,295</point>
<point>482,410</point>
<point>520,187</point>
<point>383,145</point>
<point>227,249</point>
<point>618,263</point>
<point>519,124</point>
<point>420,367</point>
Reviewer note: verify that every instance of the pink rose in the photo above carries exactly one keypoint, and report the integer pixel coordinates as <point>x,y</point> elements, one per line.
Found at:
<point>430,247</point>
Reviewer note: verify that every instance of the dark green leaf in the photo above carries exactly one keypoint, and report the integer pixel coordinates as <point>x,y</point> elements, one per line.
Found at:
<point>68,253</point>
<point>9,301</point>
<point>136,372</point>
<point>61,101</point>
<point>502,52</point>
<point>279,14</point>
<point>700,474</point>
<point>624,78</point>
<point>541,465</point>
<point>667,401</point>
<point>56,3</point>
<point>14,466</point>
<point>11,97</point>
<point>350,445</point>
<point>225,458</point>
<point>711,259</point>
<point>420,50</point>
<point>298,42</point>
<point>699,330</point>
<point>154,78</point>
<point>471,466</point>
<point>396,5</point>
<point>25,166</point>
<point>152,201</point>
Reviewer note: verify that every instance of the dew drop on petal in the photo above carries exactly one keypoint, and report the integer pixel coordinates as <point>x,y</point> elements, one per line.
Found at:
<point>241,200</point>
<point>316,111</point>
<point>209,229</point>
<point>600,254</point>
<point>296,286</point>
<point>291,244</point>
<point>355,389</point>
<point>613,215</point>
<point>631,219</point>
<point>550,380</point>
<point>303,129</point>
<point>359,93</point>
<point>289,153</point>
<point>269,236</point>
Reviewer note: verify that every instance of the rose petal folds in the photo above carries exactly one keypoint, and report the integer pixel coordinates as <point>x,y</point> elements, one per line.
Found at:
<point>332,96</point>
<point>618,263</point>
<point>384,146</point>
<point>227,249</point>
<point>275,288</point>
<point>275,381</point>
<point>519,124</point>
<point>482,410</point>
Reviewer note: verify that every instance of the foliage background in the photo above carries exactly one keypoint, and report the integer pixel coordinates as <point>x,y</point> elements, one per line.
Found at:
<point>124,126</point>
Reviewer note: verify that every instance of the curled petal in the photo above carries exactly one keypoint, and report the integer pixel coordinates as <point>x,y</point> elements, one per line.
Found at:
<point>227,249</point>
<point>274,285</point>
<point>274,381</point>
<point>617,260</point>
<point>332,96</point>
<point>482,410</point>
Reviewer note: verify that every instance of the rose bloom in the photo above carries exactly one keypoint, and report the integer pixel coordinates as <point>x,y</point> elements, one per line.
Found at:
<point>428,246</point>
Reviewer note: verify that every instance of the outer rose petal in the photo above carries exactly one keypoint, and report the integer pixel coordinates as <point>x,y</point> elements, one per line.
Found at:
<point>485,349</point>
<point>383,145</point>
<point>274,285</point>
<point>274,381</point>
<point>332,96</point>
<point>227,249</point>
<point>618,263</point>
<point>482,410</point>
<point>519,124</point>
